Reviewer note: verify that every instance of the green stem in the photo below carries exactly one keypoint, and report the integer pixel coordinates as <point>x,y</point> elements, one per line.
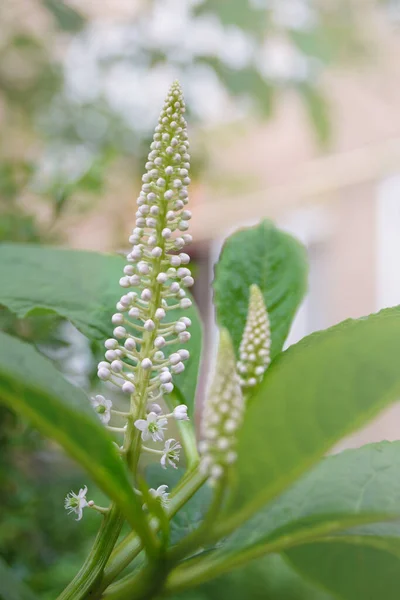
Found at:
<point>202,534</point>
<point>91,571</point>
<point>131,546</point>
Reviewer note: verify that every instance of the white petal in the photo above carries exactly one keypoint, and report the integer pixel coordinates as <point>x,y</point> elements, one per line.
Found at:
<point>141,424</point>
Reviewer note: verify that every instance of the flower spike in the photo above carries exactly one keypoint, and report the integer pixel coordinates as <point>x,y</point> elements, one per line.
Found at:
<point>256,341</point>
<point>157,269</point>
<point>223,413</point>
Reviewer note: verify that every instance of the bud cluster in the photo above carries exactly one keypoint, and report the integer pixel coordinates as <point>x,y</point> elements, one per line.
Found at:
<point>156,276</point>
<point>255,346</point>
<point>222,415</point>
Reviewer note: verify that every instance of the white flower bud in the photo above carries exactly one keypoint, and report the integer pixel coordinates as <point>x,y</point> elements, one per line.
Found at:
<point>130,344</point>
<point>185,258</point>
<point>119,332</point>
<point>111,355</point>
<point>156,252</point>
<point>116,366</point>
<point>134,312</point>
<point>159,314</point>
<point>124,282</point>
<point>184,336</point>
<point>149,325</point>
<point>159,342</point>
<point>174,358</point>
<point>165,377</point>
<point>167,387</point>
<point>185,303</point>
<point>184,354</point>
<point>146,364</point>
<point>180,413</point>
<point>128,388</point>
<point>117,319</point>
<point>166,233</point>
<point>143,268</point>
<point>146,295</point>
<point>162,277</point>
<point>111,344</point>
<point>179,368</point>
<point>188,281</point>
<point>134,280</point>
<point>175,261</point>
<point>129,270</point>
<point>103,374</point>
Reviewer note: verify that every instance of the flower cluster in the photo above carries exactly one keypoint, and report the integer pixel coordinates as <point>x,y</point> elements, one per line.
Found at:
<point>157,268</point>
<point>222,414</point>
<point>256,341</point>
<point>138,358</point>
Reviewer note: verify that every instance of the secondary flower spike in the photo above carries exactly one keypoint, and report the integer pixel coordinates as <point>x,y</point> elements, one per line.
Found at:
<point>255,346</point>
<point>223,413</point>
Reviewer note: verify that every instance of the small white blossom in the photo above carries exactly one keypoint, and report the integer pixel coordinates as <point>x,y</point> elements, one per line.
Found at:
<point>180,413</point>
<point>170,454</point>
<point>161,493</point>
<point>75,503</point>
<point>103,408</point>
<point>153,427</point>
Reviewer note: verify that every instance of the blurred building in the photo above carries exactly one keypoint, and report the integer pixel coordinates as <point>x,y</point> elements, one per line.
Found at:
<point>343,204</point>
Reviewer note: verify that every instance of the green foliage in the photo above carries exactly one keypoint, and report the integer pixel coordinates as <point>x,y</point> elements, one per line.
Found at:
<point>82,287</point>
<point>10,587</point>
<point>30,384</point>
<point>342,491</point>
<point>316,392</point>
<point>268,578</point>
<point>277,263</point>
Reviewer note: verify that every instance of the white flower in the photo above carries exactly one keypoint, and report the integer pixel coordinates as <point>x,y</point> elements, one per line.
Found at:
<point>161,493</point>
<point>170,453</point>
<point>76,502</point>
<point>180,413</point>
<point>153,427</point>
<point>103,408</point>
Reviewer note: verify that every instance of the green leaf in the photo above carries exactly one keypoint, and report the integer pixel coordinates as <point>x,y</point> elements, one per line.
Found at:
<point>269,578</point>
<point>314,393</point>
<point>318,111</point>
<point>247,82</point>
<point>346,496</point>
<point>356,486</point>
<point>31,385</point>
<point>277,263</point>
<point>367,557</point>
<point>352,570</point>
<point>82,287</point>
<point>67,18</point>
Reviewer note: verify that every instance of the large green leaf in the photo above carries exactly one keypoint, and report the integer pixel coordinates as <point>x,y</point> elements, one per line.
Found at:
<point>314,393</point>
<point>82,287</point>
<point>31,385</point>
<point>352,569</point>
<point>355,486</point>
<point>362,562</point>
<point>277,263</point>
<point>268,578</point>
<point>355,494</point>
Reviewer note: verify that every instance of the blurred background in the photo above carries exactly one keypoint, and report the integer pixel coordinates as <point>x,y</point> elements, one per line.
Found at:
<point>293,108</point>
